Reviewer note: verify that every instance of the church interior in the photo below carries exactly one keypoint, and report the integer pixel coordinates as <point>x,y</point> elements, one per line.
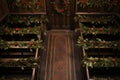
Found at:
<point>59,39</point>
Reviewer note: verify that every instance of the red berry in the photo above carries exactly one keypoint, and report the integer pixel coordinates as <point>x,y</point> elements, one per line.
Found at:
<point>83,1</point>
<point>100,29</point>
<point>113,60</point>
<point>30,43</point>
<point>16,44</point>
<point>92,60</point>
<point>17,29</point>
<point>7,30</point>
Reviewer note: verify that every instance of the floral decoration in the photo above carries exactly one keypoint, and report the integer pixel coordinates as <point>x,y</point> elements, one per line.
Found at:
<point>106,78</point>
<point>22,31</point>
<point>61,6</point>
<point>24,24</point>
<point>101,30</point>
<point>32,25</point>
<point>13,78</point>
<point>27,20</point>
<point>95,20</point>
<point>21,44</point>
<point>100,62</point>
<point>98,24</point>
<point>97,3</point>
<point>97,43</point>
<point>26,44</point>
<point>99,19</point>
<point>28,5</point>
<point>3,44</point>
<point>22,62</point>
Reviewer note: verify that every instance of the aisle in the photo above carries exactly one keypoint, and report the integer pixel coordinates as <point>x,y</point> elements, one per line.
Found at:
<point>60,63</point>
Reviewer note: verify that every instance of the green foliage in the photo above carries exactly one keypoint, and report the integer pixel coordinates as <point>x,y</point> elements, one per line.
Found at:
<point>22,31</point>
<point>27,4</point>
<point>3,44</point>
<point>31,24</point>
<point>106,78</point>
<point>99,19</point>
<point>97,3</point>
<point>22,62</point>
<point>13,78</point>
<point>95,30</point>
<point>100,62</point>
<point>97,43</point>
<point>25,24</point>
<point>27,20</point>
<point>21,44</point>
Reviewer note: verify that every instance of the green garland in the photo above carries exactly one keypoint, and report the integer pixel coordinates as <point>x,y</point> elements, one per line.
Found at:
<point>105,78</point>
<point>25,24</point>
<point>98,43</point>
<point>97,3</point>
<point>22,31</point>
<point>94,31</point>
<point>21,44</point>
<point>22,62</point>
<point>100,62</point>
<point>14,78</point>
<point>27,20</point>
<point>99,19</point>
<point>3,44</point>
<point>27,5</point>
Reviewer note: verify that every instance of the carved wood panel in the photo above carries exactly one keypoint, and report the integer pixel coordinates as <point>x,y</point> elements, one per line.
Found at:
<point>60,14</point>
<point>3,8</point>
